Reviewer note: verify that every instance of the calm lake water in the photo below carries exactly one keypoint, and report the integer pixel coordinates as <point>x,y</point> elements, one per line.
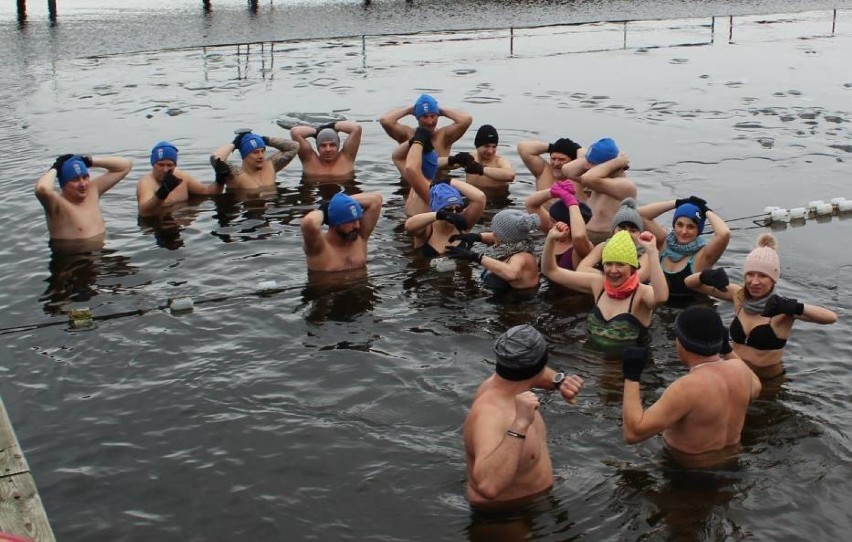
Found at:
<point>331,410</point>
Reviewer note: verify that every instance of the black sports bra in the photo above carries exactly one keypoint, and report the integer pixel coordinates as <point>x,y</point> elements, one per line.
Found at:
<point>761,337</point>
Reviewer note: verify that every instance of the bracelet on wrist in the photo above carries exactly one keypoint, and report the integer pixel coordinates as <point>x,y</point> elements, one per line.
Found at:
<point>515,434</point>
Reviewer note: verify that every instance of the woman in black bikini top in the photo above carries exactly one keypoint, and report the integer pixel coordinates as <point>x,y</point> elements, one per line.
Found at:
<point>763,319</point>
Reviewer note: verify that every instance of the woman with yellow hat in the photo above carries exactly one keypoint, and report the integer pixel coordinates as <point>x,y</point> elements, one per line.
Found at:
<point>623,305</point>
<point>763,319</point>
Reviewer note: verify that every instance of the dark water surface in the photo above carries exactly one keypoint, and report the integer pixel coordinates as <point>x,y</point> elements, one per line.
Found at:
<point>331,410</point>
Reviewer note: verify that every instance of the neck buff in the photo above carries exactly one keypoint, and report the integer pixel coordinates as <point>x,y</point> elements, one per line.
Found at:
<point>676,252</point>
<point>502,251</point>
<point>755,306</point>
<point>623,291</point>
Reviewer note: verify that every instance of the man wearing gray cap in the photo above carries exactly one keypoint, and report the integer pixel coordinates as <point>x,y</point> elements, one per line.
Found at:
<point>331,159</point>
<point>505,438</point>
<point>701,414</point>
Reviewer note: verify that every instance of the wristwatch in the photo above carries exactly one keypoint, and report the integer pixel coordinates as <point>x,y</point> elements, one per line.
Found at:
<point>557,380</point>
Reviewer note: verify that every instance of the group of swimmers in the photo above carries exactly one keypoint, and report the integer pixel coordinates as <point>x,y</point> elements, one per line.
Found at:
<point>598,241</point>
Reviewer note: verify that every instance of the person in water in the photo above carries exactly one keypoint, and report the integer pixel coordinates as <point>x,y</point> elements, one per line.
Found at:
<point>448,216</point>
<point>701,413</point>
<point>351,220</point>
<point>623,305</point>
<point>74,213</point>
<point>626,219</point>
<point>331,159</point>
<point>510,263</point>
<point>763,320</point>
<point>505,439</point>
<point>682,249</point>
<point>571,215</point>
<point>166,185</point>
<point>547,172</point>
<point>484,168</point>
<point>257,170</point>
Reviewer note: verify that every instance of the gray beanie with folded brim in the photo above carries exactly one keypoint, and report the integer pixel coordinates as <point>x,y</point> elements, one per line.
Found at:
<point>628,213</point>
<point>513,226</point>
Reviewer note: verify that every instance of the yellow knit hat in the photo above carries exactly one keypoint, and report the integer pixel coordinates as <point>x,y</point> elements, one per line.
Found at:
<point>621,249</point>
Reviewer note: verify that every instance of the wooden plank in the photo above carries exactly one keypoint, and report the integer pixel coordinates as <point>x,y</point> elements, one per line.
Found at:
<point>21,509</point>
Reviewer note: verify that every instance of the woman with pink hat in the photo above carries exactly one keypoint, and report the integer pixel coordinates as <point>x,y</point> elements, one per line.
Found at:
<point>762,319</point>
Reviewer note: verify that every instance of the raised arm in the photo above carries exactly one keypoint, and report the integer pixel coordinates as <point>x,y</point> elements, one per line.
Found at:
<point>413,172</point>
<point>287,150</point>
<point>658,279</point>
<point>640,424</point>
<point>700,282</point>
<point>600,179</point>
<point>300,135</point>
<point>534,204</point>
<point>530,153</point>
<point>711,253</point>
<point>417,223</point>
<point>353,132</point>
<point>45,191</point>
<point>588,283</point>
<point>476,201</point>
<point>371,202</point>
<point>197,187</point>
<point>311,226</point>
<point>461,122</point>
<point>390,123</point>
<point>651,211</point>
<point>117,169</point>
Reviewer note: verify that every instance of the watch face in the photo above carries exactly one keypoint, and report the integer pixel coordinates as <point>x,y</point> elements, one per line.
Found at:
<point>557,379</point>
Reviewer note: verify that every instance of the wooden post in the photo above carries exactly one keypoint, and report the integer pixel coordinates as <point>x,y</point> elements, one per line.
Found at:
<point>253,5</point>
<point>51,10</point>
<point>22,11</point>
<point>207,7</point>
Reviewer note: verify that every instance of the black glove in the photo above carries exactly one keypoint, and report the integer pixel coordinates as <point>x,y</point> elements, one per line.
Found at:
<point>57,165</point>
<point>777,304</point>
<point>726,344</point>
<point>455,219</point>
<point>241,133</point>
<point>717,278</point>
<point>467,239</point>
<point>633,361</point>
<point>87,160</point>
<point>424,137</point>
<point>265,140</point>
<point>463,253</point>
<point>324,208</point>
<point>459,159</point>
<point>222,169</point>
<point>322,127</point>
<point>695,200</point>
<point>475,168</point>
<point>170,182</point>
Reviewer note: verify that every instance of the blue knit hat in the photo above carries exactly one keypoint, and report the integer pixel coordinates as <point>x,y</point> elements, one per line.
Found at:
<point>443,195</point>
<point>602,150</point>
<point>343,209</point>
<point>164,150</point>
<point>691,212</point>
<point>72,168</point>
<point>425,105</point>
<point>249,143</point>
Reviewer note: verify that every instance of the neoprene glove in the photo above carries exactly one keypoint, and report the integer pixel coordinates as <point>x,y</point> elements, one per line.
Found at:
<point>695,200</point>
<point>322,127</point>
<point>474,167</point>
<point>777,304</point>
<point>726,344</point>
<point>633,360</point>
<point>717,278</point>
<point>424,137</point>
<point>241,133</point>
<point>222,169</point>
<point>87,160</point>
<point>455,219</point>
<point>170,182</point>
<point>265,140</point>
<point>467,239</point>
<point>459,159</point>
<point>60,161</point>
<point>463,253</point>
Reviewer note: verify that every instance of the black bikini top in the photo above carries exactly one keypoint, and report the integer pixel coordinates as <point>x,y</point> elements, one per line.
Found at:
<point>761,337</point>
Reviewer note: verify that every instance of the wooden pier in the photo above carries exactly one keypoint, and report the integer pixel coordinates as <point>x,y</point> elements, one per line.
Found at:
<point>21,510</point>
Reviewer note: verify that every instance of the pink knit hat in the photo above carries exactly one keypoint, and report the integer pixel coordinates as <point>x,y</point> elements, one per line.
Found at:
<point>764,258</point>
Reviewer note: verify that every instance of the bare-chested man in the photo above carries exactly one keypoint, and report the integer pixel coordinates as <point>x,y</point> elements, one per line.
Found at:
<point>485,169</point>
<point>165,184</point>
<point>505,439</point>
<point>351,220</point>
<point>426,111</point>
<point>74,212</point>
<point>257,171</point>
<point>562,151</point>
<point>602,176</point>
<point>701,414</point>
<point>331,159</point>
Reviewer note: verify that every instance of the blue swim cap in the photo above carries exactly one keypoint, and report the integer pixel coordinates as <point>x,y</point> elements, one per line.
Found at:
<point>691,212</point>
<point>164,150</point>
<point>602,150</point>
<point>249,143</point>
<point>72,168</point>
<point>443,195</point>
<point>425,105</point>
<point>343,209</point>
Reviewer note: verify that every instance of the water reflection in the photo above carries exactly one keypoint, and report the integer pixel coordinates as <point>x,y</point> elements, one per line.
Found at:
<point>166,227</point>
<point>77,269</point>
<point>339,297</point>
<point>526,521</point>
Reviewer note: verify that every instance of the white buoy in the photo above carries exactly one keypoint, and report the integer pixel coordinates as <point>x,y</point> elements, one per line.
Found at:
<point>266,285</point>
<point>779,215</point>
<point>798,213</point>
<point>443,265</point>
<point>844,206</point>
<point>812,205</point>
<point>768,210</point>
<point>837,201</point>
<point>825,209</point>
<point>180,304</point>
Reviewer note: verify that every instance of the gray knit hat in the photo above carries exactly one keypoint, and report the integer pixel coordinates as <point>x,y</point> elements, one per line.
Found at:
<point>328,134</point>
<point>514,226</point>
<point>521,353</point>
<point>628,213</point>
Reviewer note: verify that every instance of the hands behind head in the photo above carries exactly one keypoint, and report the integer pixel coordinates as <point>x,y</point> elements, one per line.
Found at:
<point>633,360</point>
<point>467,239</point>
<point>238,139</point>
<point>60,161</point>
<point>717,278</point>
<point>695,200</point>
<point>777,304</point>
<point>322,127</point>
